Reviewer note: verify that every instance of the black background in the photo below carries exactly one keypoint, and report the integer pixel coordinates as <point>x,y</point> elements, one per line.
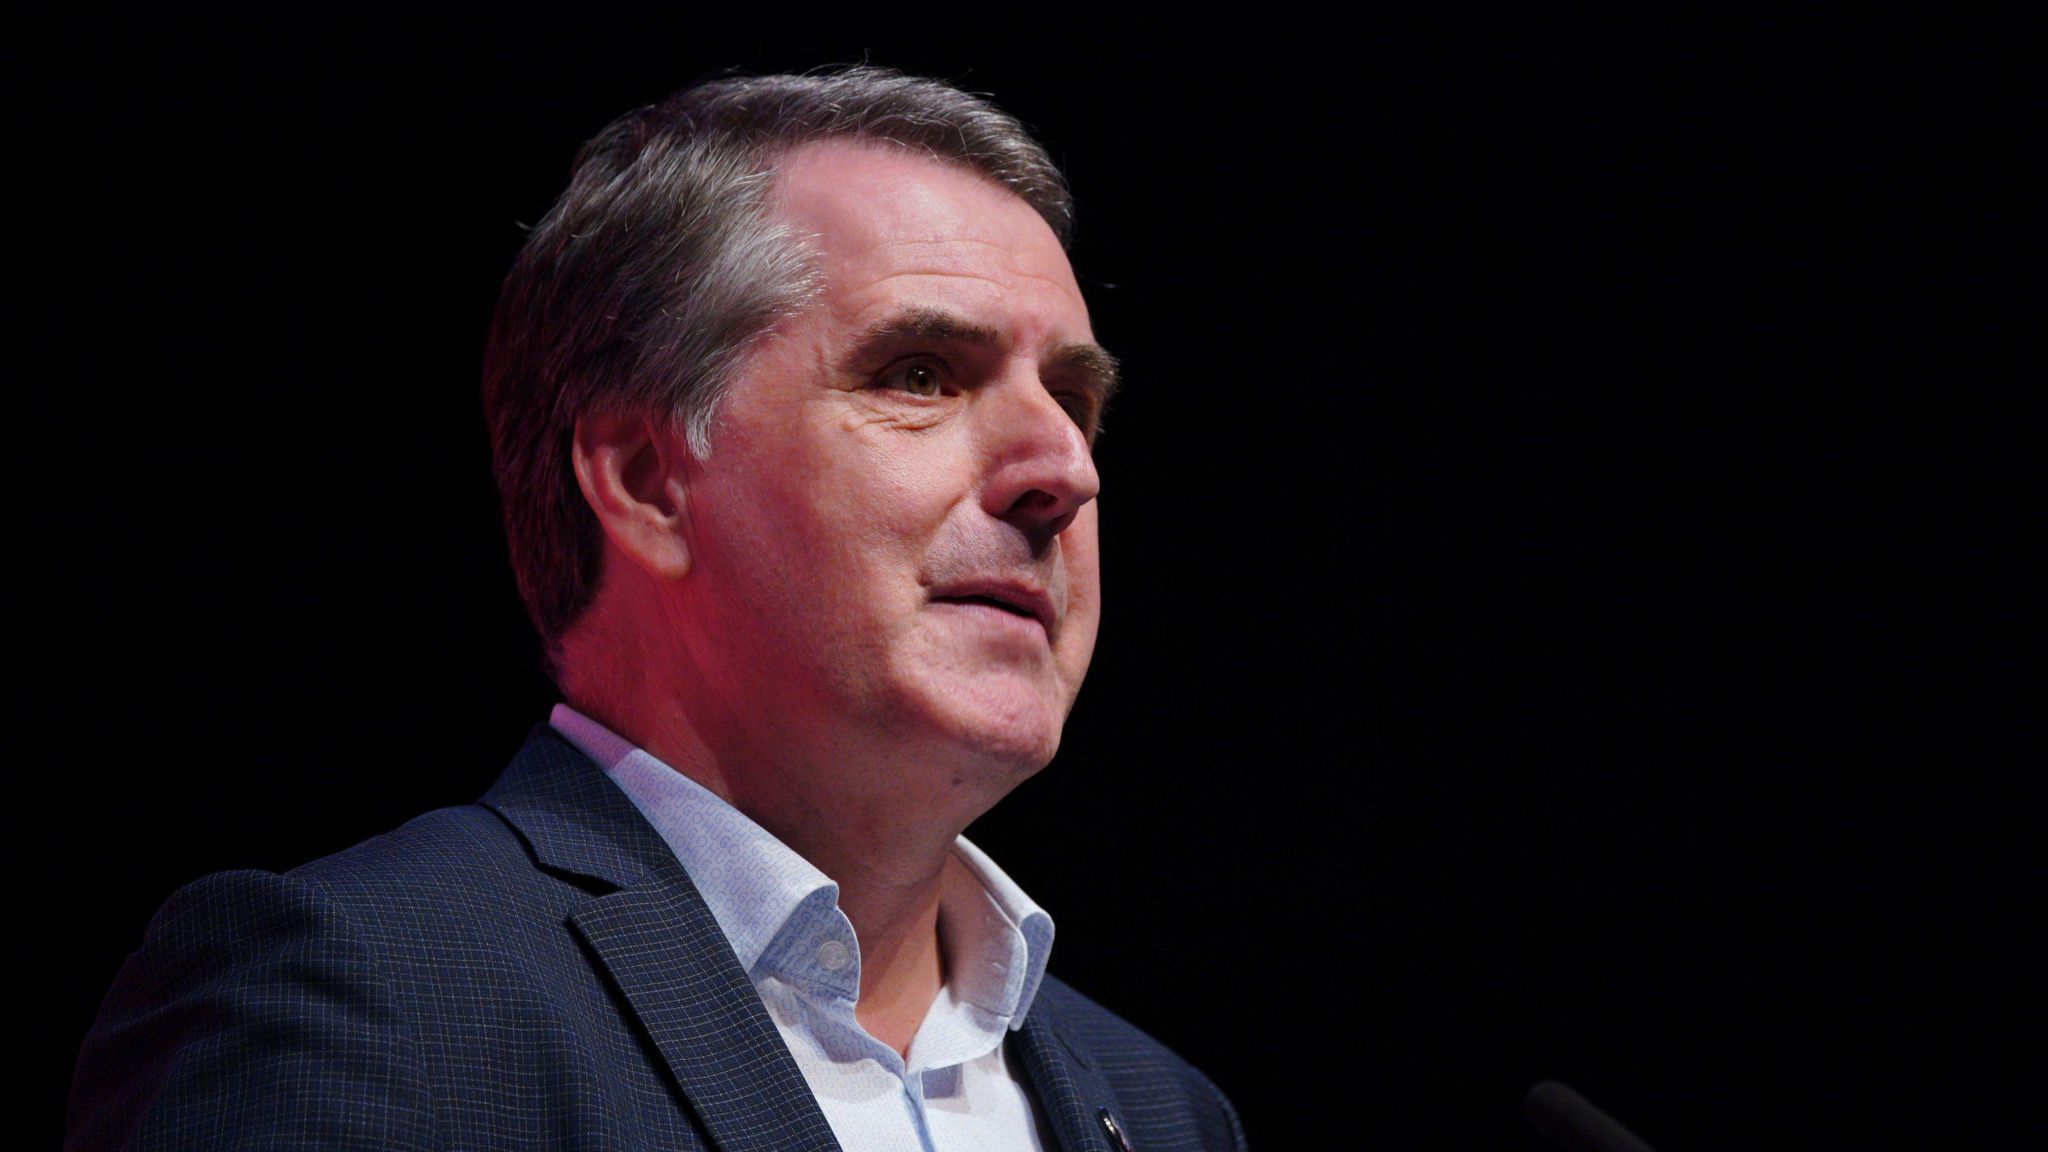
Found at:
<point>1568,528</point>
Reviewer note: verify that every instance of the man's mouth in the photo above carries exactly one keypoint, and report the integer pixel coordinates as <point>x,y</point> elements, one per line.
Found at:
<point>1018,600</point>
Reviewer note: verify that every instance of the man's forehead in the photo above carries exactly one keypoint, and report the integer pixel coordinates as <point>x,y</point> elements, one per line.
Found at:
<point>876,209</point>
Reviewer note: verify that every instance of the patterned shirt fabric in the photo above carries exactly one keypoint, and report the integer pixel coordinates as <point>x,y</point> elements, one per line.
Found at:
<point>956,1090</point>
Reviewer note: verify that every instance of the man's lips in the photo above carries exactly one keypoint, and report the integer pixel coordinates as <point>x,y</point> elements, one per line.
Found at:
<point>1018,599</point>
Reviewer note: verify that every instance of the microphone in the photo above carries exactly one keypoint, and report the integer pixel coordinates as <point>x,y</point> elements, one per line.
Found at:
<point>1571,1121</point>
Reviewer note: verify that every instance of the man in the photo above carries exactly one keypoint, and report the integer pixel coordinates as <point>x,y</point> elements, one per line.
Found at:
<point>792,398</point>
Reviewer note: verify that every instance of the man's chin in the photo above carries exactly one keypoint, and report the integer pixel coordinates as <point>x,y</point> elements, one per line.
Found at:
<point>1003,752</point>
<point>998,736</point>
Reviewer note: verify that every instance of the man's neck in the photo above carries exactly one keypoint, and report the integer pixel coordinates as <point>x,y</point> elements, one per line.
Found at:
<point>902,960</point>
<point>890,869</point>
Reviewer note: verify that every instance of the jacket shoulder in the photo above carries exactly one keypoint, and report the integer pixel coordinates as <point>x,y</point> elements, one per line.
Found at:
<point>253,1015</point>
<point>454,903</point>
<point>449,852</point>
<point>287,1010</point>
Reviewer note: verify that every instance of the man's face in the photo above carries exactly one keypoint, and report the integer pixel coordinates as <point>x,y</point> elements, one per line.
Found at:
<point>893,538</point>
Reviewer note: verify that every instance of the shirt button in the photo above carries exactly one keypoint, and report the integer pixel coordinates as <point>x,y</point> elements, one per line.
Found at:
<point>833,955</point>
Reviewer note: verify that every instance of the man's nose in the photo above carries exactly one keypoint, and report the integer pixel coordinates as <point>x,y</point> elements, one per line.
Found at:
<point>1041,468</point>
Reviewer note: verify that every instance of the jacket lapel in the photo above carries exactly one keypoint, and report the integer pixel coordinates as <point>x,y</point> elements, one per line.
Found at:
<point>1070,1087</point>
<point>654,936</point>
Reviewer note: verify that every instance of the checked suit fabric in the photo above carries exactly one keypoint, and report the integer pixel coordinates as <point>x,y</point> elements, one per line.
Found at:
<point>531,971</point>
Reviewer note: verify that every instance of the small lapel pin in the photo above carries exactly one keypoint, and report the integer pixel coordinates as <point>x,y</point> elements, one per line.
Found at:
<point>1117,1139</point>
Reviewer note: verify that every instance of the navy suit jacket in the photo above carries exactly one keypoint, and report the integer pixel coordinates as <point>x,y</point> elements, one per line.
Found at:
<point>531,971</point>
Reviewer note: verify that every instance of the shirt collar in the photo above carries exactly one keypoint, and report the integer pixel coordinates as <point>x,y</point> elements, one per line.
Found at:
<point>750,880</point>
<point>997,939</point>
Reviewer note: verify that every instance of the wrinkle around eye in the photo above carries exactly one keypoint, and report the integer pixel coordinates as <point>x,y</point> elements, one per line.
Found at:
<point>896,417</point>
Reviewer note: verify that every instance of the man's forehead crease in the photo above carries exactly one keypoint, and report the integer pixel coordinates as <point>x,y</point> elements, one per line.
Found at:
<point>1024,255</point>
<point>1041,286</point>
<point>1011,273</point>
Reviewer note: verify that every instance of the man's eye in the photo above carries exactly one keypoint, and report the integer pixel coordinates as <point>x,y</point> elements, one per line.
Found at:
<point>1082,410</point>
<point>916,379</point>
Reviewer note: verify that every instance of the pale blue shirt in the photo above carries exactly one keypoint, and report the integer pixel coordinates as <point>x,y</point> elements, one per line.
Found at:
<point>956,1091</point>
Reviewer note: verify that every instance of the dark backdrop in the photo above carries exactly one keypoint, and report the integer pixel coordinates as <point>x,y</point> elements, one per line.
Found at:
<point>1566,530</point>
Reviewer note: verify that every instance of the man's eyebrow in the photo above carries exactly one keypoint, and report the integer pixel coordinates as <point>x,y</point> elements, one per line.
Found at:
<point>1092,361</point>
<point>922,324</point>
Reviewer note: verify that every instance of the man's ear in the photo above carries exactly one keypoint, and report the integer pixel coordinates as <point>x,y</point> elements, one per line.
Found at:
<point>631,471</point>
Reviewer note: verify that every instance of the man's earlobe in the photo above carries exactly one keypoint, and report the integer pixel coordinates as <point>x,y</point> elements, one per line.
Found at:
<point>631,471</point>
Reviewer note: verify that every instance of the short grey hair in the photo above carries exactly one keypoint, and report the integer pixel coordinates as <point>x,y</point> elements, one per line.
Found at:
<point>644,287</point>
